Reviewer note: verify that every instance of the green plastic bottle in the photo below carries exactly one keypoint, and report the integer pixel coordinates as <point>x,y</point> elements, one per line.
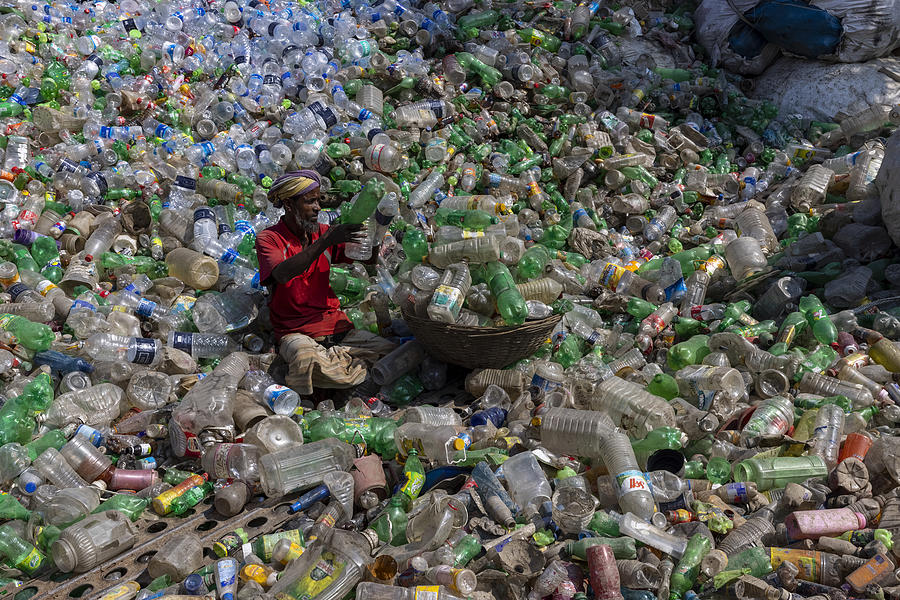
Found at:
<point>129,505</point>
<point>55,438</point>
<point>623,548</point>
<point>413,478</point>
<point>342,282</point>
<point>536,37</point>
<point>11,509</point>
<point>390,525</point>
<point>685,573</point>
<point>510,303</point>
<point>17,421</point>
<point>604,524</point>
<point>533,262</point>
<point>689,352</point>
<point>569,352</point>
<point>19,553</point>
<point>34,336</point>
<point>663,385</point>
<point>405,390</point>
<point>776,472</point>
<point>473,220</point>
<point>46,253</point>
<point>758,560</point>
<point>415,245</point>
<point>465,550</point>
<point>823,328</point>
<point>365,203</point>
<point>640,308</point>
<point>792,325</point>
<point>377,433</point>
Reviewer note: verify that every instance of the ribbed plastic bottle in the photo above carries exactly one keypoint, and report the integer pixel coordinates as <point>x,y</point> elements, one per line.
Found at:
<point>575,432</point>
<point>90,542</point>
<point>627,478</point>
<point>645,412</point>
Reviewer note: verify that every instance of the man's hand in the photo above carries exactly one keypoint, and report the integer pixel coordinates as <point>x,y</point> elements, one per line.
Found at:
<point>342,233</point>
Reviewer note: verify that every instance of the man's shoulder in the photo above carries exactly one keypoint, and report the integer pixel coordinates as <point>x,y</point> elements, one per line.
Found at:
<point>274,234</point>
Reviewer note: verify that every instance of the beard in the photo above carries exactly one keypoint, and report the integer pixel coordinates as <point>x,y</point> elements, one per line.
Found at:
<point>309,226</point>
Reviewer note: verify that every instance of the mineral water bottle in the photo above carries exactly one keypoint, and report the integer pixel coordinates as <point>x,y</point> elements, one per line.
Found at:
<point>301,467</point>
<point>773,417</point>
<point>93,541</point>
<point>111,347</point>
<point>629,402</point>
<point>826,438</point>
<point>280,399</point>
<point>425,190</point>
<point>54,468</point>
<point>474,250</point>
<point>575,432</point>
<point>810,190</point>
<point>232,461</point>
<point>525,480</point>
<point>626,476</point>
<point>450,293</point>
<point>745,257</point>
<point>202,345</point>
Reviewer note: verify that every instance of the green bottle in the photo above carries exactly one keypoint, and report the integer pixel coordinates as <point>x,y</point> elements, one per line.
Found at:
<point>191,498</point>
<point>342,282</point>
<point>816,361</point>
<point>489,75</point>
<point>46,253</point>
<point>604,524</point>
<point>413,478</point>
<point>718,470</point>
<point>55,438</point>
<point>822,327</point>
<point>663,385</point>
<point>689,352</point>
<point>770,473</point>
<point>34,336</point>
<point>808,403</point>
<point>792,325</point>
<point>19,553</point>
<point>536,37</point>
<point>736,313</point>
<point>661,438</point>
<point>390,525</point>
<point>176,476</point>
<point>623,548</point>
<point>377,433</point>
<point>23,259</point>
<point>465,550</point>
<point>405,390</point>
<point>685,573</point>
<point>17,421</point>
<point>473,220</point>
<point>758,560</point>
<point>533,262</point>
<point>478,20</point>
<point>640,308</point>
<point>129,505</point>
<point>640,173</point>
<point>510,303</point>
<point>11,509</point>
<point>569,352</point>
<point>365,203</point>
<point>686,328</point>
<point>415,245</point>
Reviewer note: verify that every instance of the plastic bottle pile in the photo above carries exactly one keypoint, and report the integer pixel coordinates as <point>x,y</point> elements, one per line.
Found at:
<point>714,414</point>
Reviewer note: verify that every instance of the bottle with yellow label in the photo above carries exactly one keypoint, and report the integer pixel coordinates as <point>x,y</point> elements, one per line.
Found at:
<point>261,574</point>
<point>376,591</point>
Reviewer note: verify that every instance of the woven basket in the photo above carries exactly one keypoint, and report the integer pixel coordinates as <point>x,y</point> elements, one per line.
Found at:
<point>480,347</point>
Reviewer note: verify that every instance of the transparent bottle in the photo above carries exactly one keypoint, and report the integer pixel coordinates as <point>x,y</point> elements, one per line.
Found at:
<point>232,461</point>
<point>816,383</point>
<point>279,399</point>
<point>811,189</point>
<point>202,345</point>
<point>629,402</point>
<point>448,298</point>
<point>525,480</point>
<point>626,476</point>
<point>302,467</point>
<point>196,270</point>
<point>91,542</point>
<point>773,417</point>
<point>753,532</point>
<point>745,257</point>
<point>826,438</point>
<point>54,468</point>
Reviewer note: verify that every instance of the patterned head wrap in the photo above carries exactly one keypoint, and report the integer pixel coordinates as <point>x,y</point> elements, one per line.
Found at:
<point>295,183</point>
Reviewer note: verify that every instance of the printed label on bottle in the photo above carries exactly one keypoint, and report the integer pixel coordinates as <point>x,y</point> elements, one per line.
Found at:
<point>220,460</point>
<point>323,112</point>
<point>229,256</point>
<point>186,182</point>
<point>183,341</point>
<point>322,574</point>
<point>537,38</point>
<point>275,395</point>
<point>448,297</point>
<point>17,290</point>
<point>611,275</point>
<point>92,435</point>
<point>31,562</point>
<point>427,592</point>
<point>146,464</point>
<point>806,560</point>
<point>227,571</point>
<point>143,351</point>
<point>631,481</point>
<point>145,308</point>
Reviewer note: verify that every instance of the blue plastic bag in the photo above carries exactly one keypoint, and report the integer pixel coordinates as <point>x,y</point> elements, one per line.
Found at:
<point>792,25</point>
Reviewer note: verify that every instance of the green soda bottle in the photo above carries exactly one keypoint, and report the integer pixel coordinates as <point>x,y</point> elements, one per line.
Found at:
<point>19,553</point>
<point>623,548</point>
<point>342,282</point>
<point>405,390</point>
<point>510,303</point>
<point>34,336</point>
<point>604,524</point>
<point>816,361</point>
<point>365,203</point>
<point>23,259</point>
<point>478,19</point>
<point>689,352</point>
<point>11,509</point>
<point>413,478</point>
<point>640,308</point>
<point>129,505</point>
<point>536,37</point>
<point>465,550</point>
<point>45,253</point>
<point>822,327</point>
<point>663,385</point>
<point>415,245</point>
<point>377,433</point>
<point>390,525</point>
<point>792,325</point>
<point>17,421</point>
<point>569,352</point>
<point>533,262</point>
<point>473,220</point>
<point>688,566</point>
<point>191,498</point>
<point>55,438</point>
<point>758,560</point>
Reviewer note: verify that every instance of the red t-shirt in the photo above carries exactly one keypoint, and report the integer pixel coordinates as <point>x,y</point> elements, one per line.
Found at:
<point>305,304</point>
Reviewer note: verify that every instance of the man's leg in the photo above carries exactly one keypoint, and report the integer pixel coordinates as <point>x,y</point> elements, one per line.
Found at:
<point>310,365</point>
<point>366,345</point>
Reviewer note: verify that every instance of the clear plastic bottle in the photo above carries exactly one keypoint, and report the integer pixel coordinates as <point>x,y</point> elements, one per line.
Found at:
<point>629,402</point>
<point>575,432</point>
<point>745,257</point>
<point>436,443</point>
<point>194,269</point>
<point>450,294</point>
<point>88,461</point>
<point>816,383</point>
<point>111,347</point>
<point>826,438</point>
<point>90,542</point>
<point>301,467</point>
<point>54,468</point>
<point>753,532</point>
<point>773,417</point>
<point>811,189</point>
<point>474,250</point>
<point>202,345</point>
<point>384,158</point>
<point>643,531</point>
<point>525,480</point>
<point>626,476</point>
